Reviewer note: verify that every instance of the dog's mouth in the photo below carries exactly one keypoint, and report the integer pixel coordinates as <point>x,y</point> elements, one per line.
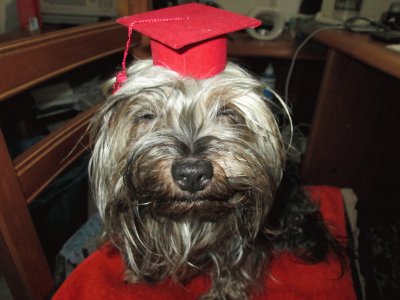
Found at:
<point>209,208</point>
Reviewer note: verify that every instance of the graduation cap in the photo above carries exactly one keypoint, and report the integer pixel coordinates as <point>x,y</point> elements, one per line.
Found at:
<point>189,39</point>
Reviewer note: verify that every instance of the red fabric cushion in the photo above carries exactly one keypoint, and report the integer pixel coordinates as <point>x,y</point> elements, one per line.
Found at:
<point>100,275</point>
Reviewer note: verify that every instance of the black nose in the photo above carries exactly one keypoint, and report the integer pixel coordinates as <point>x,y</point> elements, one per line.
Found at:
<point>192,175</point>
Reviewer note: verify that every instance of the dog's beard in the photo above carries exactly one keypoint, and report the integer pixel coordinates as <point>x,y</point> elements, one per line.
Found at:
<point>189,230</point>
<point>153,122</point>
<point>181,246</point>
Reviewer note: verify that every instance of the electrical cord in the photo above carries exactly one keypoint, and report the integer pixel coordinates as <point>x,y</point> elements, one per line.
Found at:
<point>296,53</point>
<point>354,24</point>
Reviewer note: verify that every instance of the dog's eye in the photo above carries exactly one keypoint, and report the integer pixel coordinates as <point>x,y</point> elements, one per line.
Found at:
<point>226,112</point>
<point>146,116</point>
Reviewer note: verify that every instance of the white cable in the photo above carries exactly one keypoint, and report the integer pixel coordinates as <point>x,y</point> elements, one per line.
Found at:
<point>296,53</point>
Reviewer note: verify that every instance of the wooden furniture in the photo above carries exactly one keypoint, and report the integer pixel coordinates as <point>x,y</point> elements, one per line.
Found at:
<point>351,142</point>
<point>353,136</point>
<point>24,63</point>
<point>242,45</point>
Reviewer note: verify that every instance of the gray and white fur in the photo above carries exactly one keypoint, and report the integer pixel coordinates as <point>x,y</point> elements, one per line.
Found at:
<point>184,172</point>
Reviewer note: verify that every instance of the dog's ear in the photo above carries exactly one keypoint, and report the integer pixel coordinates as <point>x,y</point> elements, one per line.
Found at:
<point>102,161</point>
<point>279,109</point>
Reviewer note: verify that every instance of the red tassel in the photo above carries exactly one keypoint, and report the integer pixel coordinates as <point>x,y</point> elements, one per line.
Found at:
<point>122,76</point>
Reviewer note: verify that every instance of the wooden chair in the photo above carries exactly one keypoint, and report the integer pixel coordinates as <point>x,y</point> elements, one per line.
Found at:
<point>24,63</point>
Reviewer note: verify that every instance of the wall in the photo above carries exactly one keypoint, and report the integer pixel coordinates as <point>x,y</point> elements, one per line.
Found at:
<point>8,16</point>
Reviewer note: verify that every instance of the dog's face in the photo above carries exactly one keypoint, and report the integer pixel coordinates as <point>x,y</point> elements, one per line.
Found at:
<point>185,151</point>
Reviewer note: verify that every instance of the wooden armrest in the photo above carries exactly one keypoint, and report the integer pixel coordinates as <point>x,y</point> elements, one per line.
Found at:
<point>29,61</point>
<point>41,163</point>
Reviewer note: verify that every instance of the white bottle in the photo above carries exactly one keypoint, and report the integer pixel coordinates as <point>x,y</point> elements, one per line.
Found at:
<point>268,77</point>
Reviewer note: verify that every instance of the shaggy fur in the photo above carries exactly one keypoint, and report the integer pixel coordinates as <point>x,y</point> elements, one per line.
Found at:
<point>159,126</point>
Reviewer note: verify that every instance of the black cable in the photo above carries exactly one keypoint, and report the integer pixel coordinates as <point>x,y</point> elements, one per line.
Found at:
<point>350,25</point>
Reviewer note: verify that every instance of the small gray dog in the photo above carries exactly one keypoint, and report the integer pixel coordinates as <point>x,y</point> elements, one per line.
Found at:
<point>185,173</point>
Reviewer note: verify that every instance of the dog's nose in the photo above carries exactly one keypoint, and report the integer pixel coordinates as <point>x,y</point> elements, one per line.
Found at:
<point>192,175</point>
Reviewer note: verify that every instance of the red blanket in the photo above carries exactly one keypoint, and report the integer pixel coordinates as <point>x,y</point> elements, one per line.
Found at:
<point>100,275</point>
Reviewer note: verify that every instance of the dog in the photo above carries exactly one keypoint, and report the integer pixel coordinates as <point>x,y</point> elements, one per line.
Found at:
<point>191,176</point>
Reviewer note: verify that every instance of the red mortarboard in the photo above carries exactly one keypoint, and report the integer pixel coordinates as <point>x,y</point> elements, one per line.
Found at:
<point>189,39</point>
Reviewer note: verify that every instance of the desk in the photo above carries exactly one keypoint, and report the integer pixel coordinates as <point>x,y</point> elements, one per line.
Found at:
<point>242,45</point>
<point>352,142</point>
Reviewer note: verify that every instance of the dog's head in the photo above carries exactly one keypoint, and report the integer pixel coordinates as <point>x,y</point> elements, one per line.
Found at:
<point>181,150</point>
<point>180,146</point>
